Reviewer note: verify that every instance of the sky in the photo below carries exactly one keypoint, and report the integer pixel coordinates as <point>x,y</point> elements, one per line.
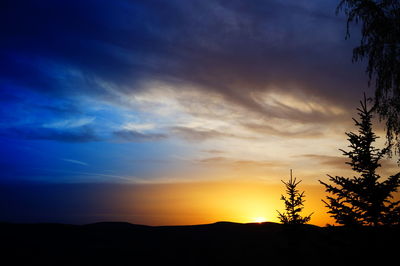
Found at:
<point>172,112</point>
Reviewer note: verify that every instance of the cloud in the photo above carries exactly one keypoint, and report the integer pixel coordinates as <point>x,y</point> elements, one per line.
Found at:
<point>135,136</point>
<point>260,163</point>
<point>333,161</point>
<point>216,159</point>
<point>234,49</point>
<point>221,160</point>
<point>70,123</point>
<point>75,161</point>
<point>138,126</point>
<point>200,134</point>
<point>388,165</point>
<point>287,132</point>
<point>251,68</point>
<point>214,151</point>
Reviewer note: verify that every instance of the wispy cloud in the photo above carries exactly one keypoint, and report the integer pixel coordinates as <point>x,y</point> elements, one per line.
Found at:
<point>282,131</point>
<point>75,161</point>
<point>136,136</point>
<point>199,134</point>
<point>333,161</point>
<point>139,127</point>
<point>70,123</point>
<point>221,160</point>
<point>214,151</point>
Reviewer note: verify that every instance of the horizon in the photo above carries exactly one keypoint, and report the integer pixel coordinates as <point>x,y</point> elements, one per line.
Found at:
<point>177,203</point>
<point>174,113</point>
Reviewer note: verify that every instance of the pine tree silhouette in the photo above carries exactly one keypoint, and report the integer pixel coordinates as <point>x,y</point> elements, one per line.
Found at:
<point>363,200</point>
<point>294,203</point>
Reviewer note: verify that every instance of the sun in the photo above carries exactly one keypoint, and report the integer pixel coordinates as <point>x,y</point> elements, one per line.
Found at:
<point>259,220</point>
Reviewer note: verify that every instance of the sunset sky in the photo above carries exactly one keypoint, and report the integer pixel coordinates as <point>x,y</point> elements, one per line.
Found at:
<point>172,112</point>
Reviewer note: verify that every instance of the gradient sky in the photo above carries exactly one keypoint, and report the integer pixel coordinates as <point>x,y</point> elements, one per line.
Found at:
<point>171,112</point>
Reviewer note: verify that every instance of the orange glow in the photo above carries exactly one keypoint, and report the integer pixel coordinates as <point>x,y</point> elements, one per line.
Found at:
<point>209,202</point>
<point>260,220</point>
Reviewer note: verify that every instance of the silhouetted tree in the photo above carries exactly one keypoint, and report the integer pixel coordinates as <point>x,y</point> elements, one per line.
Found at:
<point>380,45</point>
<point>294,203</point>
<point>363,200</point>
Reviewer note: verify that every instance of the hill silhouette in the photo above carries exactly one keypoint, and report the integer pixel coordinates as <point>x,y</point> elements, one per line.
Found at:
<point>221,243</point>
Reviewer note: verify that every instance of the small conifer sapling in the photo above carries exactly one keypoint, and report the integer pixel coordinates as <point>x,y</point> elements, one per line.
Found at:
<point>294,204</point>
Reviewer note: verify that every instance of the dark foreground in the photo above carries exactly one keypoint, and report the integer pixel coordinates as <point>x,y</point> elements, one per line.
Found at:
<point>213,244</point>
